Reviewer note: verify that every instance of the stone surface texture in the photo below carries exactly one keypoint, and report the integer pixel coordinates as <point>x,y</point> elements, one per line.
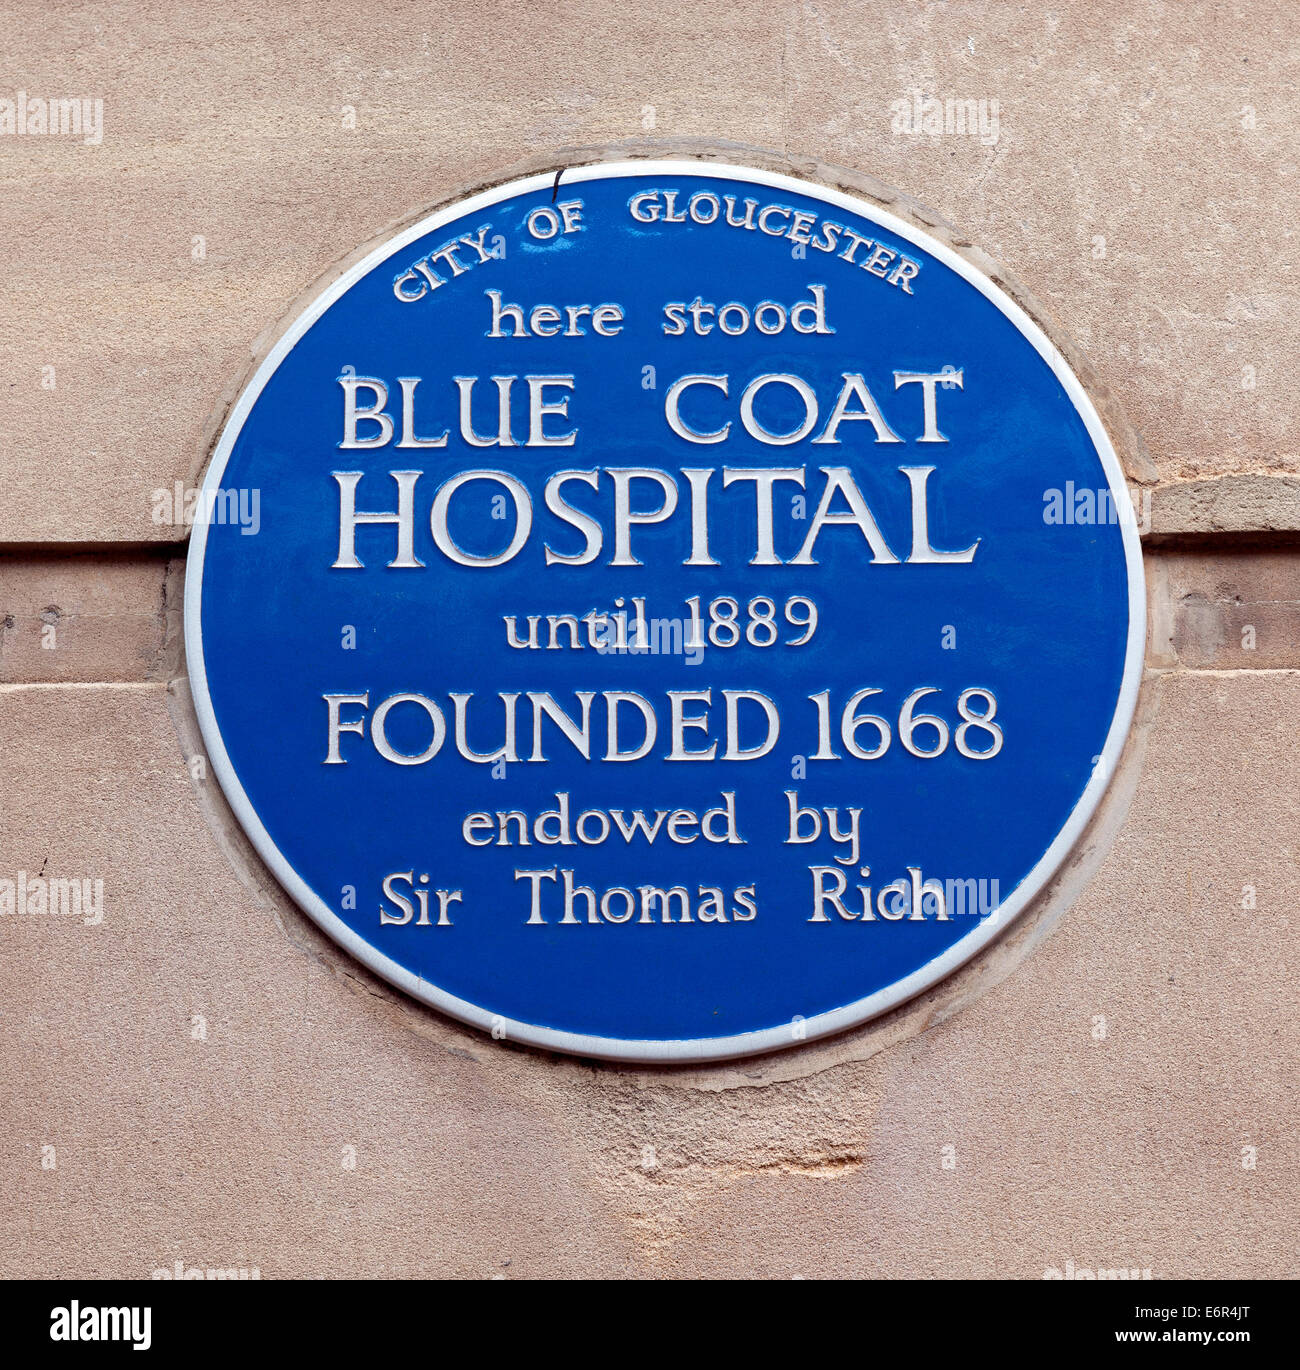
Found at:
<point>190,1072</point>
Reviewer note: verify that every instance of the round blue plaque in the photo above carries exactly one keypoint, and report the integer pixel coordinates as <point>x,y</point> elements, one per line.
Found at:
<point>668,613</point>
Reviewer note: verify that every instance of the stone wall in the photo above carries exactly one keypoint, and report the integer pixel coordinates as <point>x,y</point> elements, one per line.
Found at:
<point>199,1076</point>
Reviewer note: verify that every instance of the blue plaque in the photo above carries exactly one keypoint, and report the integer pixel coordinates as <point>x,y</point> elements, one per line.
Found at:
<point>690,610</point>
